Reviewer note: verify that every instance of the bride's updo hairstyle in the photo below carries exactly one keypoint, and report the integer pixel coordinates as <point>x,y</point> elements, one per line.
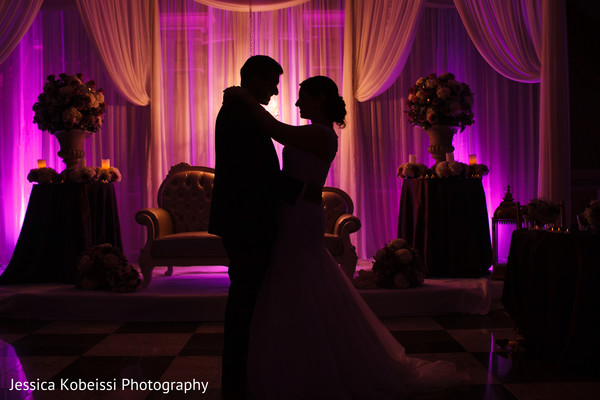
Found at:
<point>334,105</point>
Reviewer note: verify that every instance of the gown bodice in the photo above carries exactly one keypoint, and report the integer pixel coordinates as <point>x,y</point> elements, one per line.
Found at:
<point>306,166</point>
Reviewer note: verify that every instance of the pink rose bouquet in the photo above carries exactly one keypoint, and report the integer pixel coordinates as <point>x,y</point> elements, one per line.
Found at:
<point>67,102</point>
<point>440,100</point>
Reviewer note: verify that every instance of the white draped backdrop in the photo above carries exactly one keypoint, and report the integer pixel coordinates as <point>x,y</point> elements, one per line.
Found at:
<point>164,63</point>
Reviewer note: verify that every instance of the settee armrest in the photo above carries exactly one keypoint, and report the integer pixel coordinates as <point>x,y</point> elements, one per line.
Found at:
<point>345,225</point>
<point>158,222</point>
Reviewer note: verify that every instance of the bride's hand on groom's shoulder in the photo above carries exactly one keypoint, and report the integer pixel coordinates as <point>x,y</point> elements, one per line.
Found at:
<point>234,93</point>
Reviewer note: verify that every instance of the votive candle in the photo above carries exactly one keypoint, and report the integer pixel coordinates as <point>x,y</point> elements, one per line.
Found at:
<point>449,156</point>
<point>41,163</point>
<point>105,163</point>
<point>412,158</point>
<point>472,159</point>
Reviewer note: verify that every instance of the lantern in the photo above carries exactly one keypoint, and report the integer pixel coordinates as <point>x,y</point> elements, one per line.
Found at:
<point>504,223</point>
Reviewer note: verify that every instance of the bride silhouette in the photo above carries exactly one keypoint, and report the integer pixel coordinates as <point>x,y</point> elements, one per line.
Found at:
<point>312,335</point>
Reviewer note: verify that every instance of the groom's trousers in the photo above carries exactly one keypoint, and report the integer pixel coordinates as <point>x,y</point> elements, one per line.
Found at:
<point>248,261</point>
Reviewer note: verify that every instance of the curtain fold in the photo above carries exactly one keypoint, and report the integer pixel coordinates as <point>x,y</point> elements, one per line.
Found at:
<point>378,37</point>
<point>526,41</point>
<point>384,31</point>
<point>126,35</point>
<point>500,30</point>
<point>121,33</point>
<point>256,5</point>
<point>554,181</point>
<point>16,18</point>
<point>533,13</point>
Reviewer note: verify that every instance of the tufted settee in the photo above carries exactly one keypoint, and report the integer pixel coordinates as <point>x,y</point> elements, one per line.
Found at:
<point>177,229</point>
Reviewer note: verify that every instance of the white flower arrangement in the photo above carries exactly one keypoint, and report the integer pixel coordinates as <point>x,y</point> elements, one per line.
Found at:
<point>108,174</point>
<point>396,266</point>
<point>412,170</point>
<point>67,102</point>
<point>478,170</point>
<point>440,100</point>
<point>43,176</point>
<point>83,175</point>
<point>105,267</point>
<point>447,169</point>
<point>78,175</point>
<point>592,215</point>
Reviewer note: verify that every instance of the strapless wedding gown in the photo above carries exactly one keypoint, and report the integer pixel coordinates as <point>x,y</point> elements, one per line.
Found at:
<point>312,335</point>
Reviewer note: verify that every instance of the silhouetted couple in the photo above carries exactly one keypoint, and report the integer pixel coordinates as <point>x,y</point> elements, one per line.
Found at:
<point>295,327</point>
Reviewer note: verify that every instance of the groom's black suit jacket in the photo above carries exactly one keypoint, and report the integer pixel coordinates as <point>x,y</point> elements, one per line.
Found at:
<point>245,203</point>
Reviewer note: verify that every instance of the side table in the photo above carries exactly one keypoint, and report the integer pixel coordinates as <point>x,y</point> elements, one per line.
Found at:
<point>61,222</point>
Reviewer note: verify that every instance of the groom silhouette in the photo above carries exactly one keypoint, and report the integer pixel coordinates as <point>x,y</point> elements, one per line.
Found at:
<point>244,210</point>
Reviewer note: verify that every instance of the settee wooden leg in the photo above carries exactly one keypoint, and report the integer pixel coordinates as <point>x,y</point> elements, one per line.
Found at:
<point>169,271</point>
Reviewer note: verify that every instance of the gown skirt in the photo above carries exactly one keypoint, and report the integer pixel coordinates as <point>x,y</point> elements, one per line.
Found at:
<point>314,337</point>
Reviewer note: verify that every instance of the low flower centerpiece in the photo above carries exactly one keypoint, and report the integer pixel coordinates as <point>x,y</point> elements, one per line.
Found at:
<point>539,212</point>
<point>450,168</point>
<point>590,218</point>
<point>77,175</point>
<point>70,109</point>
<point>442,169</point>
<point>412,170</point>
<point>441,106</point>
<point>396,266</point>
<point>43,175</point>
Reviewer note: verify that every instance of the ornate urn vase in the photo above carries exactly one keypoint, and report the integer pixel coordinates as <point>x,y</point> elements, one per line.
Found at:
<point>71,147</point>
<point>440,141</point>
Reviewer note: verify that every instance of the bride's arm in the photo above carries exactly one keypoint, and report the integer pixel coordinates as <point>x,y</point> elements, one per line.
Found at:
<point>310,138</point>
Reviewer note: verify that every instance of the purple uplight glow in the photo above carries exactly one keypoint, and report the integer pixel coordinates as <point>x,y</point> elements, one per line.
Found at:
<point>12,371</point>
<point>202,51</point>
<point>504,235</point>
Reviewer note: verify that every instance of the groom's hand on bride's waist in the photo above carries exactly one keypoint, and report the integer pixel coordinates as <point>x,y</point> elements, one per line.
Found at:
<point>290,189</point>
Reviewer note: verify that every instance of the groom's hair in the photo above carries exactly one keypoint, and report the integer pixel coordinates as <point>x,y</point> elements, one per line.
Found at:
<point>259,66</point>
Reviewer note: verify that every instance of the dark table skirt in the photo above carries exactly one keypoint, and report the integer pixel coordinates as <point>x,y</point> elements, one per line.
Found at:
<point>446,220</point>
<point>61,222</point>
<point>551,292</point>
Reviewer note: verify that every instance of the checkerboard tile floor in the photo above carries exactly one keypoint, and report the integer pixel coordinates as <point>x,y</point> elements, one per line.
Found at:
<point>95,352</point>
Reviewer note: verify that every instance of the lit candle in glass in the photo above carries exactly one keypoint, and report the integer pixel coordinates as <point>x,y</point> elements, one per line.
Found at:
<point>105,163</point>
<point>41,163</point>
<point>472,159</point>
<point>449,156</point>
<point>412,158</point>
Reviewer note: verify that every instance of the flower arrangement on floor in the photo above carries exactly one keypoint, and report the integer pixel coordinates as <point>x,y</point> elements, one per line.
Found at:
<point>540,212</point>
<point>440,100</point>
<point>396,266</point>
<point>591,216</point>
<point>67,102</point>
<point>78,175</point>
<point>104,267</point>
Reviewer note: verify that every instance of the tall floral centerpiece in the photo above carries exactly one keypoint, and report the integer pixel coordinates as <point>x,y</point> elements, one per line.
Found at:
<point>70,109</point>
<point>441,105</point>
